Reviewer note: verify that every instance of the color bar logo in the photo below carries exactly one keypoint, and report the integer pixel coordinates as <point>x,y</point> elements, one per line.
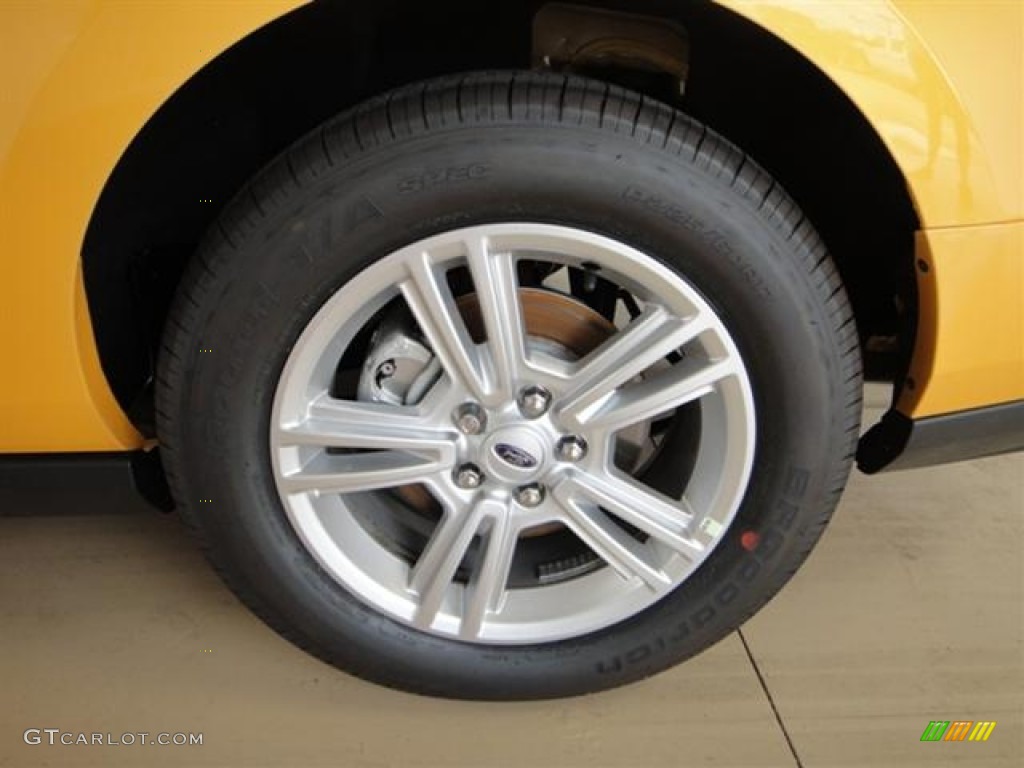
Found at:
<point>958,730</point>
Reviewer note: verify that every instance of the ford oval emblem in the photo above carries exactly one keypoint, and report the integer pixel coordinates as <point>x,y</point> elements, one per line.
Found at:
<point>514,456</point>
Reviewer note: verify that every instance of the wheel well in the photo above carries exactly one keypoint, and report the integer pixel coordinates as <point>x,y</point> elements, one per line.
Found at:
<point>256,98</point>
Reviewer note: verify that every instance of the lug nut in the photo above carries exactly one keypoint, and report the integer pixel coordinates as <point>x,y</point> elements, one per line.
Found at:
<point>470,419</point>
<point>469,476</point>
<point>572,448</point>
<point>533,401</point>
<point>529,495</point>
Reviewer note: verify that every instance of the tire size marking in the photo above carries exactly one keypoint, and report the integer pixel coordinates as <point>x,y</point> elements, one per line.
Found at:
<point>683,218</point>
<point>431,179</point>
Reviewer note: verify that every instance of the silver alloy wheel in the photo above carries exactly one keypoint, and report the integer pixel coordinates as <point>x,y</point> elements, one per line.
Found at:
<point>333,457</point>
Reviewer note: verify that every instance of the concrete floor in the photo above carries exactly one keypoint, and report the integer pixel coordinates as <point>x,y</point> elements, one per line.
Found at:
<point>910,610</point>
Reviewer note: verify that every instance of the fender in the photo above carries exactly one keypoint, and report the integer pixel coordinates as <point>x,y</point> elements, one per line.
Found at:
<point>922,73</point>
<point>66,119</point>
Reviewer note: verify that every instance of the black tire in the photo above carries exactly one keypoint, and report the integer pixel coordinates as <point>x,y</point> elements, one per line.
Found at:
<point>483,148</point>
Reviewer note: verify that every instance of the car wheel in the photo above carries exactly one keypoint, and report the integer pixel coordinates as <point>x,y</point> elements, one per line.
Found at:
<point>509,386</point>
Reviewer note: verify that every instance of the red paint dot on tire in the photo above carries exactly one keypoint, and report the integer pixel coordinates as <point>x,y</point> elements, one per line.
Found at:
<point>749,540</point>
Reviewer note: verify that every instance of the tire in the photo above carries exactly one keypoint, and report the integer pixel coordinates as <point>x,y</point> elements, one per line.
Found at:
<point>675,215</point>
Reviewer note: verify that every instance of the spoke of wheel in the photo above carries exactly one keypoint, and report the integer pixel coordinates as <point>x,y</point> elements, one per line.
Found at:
<point>350,473</point>
<point>347,424</point>
<point>497,289</point>
<point>665,519</point>
<point>629,557</point>
<point>431,302</point>
<point>649,338</point>
<point>440,559</point>
<point>487,585</point>
<point>684,382</point>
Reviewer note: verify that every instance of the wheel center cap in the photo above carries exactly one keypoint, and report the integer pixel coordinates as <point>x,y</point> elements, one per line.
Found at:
<point>514,455</point>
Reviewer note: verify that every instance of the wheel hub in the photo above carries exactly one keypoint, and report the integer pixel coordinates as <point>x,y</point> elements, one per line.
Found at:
<point>514,454</point>
<point>517,457</point>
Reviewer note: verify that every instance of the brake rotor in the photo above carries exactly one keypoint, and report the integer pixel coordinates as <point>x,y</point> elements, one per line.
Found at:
<point>562,320</point>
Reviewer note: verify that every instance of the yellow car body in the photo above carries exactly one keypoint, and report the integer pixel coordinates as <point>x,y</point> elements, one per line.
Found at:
<point>941,84</point>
